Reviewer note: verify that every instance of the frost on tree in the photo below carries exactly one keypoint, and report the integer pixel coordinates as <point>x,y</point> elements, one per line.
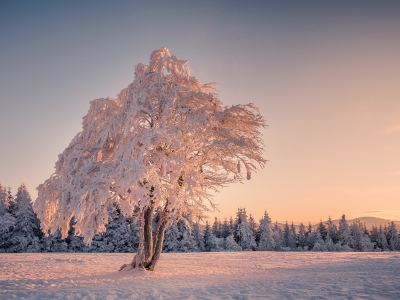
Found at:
<point>165,143</point>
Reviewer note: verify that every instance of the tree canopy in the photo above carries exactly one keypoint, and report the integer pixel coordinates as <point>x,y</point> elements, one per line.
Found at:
<point>166,141</point>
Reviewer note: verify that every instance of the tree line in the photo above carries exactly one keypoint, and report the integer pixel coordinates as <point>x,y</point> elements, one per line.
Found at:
<point>20,231</point>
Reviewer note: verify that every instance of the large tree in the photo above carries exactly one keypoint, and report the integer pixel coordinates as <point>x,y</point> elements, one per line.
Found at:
<point>166,143</point>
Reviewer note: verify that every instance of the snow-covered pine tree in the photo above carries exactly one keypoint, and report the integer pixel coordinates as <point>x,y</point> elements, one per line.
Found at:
<point>75,243</point>
<point>382,239</point>
<point>225,229</point>
<point>27,226</point>
<point>322,230</point>
<point>286,235</point>
<point>232,226</point>
<point>312,237</point>
<point>332,231</point>
<point>319,243</point>
<point>301,237</point>
<point>230,245</point>
<point>12,205</point>
<point>253,227</point>
<point>198,236</point>
<point>216,228</point>
<point>393,237</point>
<point>292,238</point>
<point>187,242</point>
<point>266,242</point>
<point>7,221</point>
<point>244,235</point>
<point>374,235</point>
<point>278,237</point>
<point>166,142</point>
<point>53,242</point>
<point>4,200</point>
<point>343,226</point>
<point>118,236</point>
<point>209,240</point>
<point>171,238</point>
<point>359,240</point>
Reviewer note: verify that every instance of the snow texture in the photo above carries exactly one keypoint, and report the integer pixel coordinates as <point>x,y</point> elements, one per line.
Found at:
<point>234,275</point>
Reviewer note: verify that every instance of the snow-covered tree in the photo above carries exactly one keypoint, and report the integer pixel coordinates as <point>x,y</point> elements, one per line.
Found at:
<point>332,231</point>
<point>198,236</point>
<point>266,242</point>
<point>7,220</point>
<point>254,227</point>
<point>211,243</point>
<point>393,237</point>
<point>278,237</point>
<point>359,240</point>
<point>243,232</point>
<point>216,228</point>
<point>322,230</point>
<point>312,237</point>
<point>120,235</point>
<point>343,227</point>
<point>229,244</point>
<point>382,239</point>
<point>75,243</point>
<point>225,229</point>
<point>171,238</point>
<point>27,226</point>
<point>166,142</point>
<point>301,237</point>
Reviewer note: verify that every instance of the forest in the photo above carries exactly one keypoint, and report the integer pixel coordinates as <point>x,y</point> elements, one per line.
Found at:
<point>20,231</point>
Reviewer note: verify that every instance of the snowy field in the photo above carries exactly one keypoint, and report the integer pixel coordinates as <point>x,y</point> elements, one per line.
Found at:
<point>238,275</point>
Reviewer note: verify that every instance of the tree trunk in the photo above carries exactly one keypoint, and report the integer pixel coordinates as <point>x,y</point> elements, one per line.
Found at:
<point>162,225</point>
<point>148,233</point>
<point>149,250</point>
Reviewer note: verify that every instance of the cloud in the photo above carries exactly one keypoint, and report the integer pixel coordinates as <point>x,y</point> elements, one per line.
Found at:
<point>392,129</point>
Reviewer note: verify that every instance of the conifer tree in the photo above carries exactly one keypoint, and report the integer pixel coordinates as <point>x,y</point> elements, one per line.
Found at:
<point>343,226</point>
<point>322,230</point>
<point>216,229</point>
<point>302,236</point>
<point>244,235</point>
<point>229,244</point>
<point>292,238</point>
<point>171,238</point>
<point>382,239</point>
<point>286,235</point>
<point>266,242</point>
<point>198,237</point>
<point>359,240</point>
<point>225,230</point>
<point>393,237</point>
<point>278,237</point>
<point>312,237</point>
<point>27,225</point>
<point>375,236</point>
<point>209,240</point>
<point>253,227</point>
<point>332,231</point>
<point>7,221</point>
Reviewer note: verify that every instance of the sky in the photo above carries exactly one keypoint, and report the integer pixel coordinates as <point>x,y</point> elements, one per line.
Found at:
<point>324,74</point>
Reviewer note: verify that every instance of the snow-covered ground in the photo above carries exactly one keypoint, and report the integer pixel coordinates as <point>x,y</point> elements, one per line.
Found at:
<point>238,275</point>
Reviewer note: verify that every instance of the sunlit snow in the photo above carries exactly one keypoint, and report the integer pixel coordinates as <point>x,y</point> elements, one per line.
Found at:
<point>237,275</point>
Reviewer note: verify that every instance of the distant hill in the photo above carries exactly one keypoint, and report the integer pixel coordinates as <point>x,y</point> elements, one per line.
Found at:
<point>369,221</point>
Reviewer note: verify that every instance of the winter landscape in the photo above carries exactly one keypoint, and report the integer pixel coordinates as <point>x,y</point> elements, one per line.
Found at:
<point>199,149</point>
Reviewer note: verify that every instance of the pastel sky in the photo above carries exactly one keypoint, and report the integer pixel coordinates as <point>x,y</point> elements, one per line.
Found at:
<point>324,73</point>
